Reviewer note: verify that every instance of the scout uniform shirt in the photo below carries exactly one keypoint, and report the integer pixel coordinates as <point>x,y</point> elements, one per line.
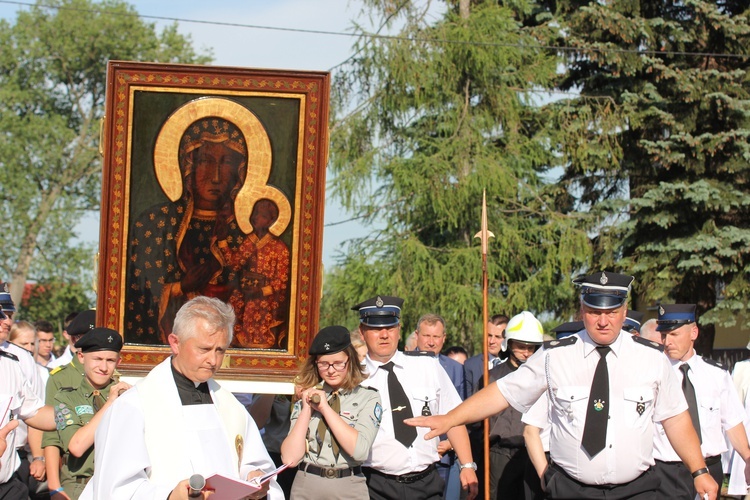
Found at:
<point>361,409</point>
<point>74,408</point>
<point>69,375</point>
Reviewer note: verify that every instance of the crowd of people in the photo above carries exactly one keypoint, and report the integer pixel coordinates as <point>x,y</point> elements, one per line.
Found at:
<point>602,407</point>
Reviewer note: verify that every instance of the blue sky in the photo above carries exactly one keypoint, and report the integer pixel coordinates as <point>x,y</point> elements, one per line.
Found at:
<point>259,48</point>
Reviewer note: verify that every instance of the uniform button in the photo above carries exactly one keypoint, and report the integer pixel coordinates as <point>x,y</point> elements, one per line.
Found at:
<point>329,445</point>
<point>610,446</point>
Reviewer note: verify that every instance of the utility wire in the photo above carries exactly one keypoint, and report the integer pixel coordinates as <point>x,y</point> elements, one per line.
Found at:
<point>377,36</point>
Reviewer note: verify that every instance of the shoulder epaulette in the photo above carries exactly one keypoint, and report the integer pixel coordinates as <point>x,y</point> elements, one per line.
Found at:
<point>648,343</point>
<point>551,344</point>
<point>8,355</point>
<point>56,370</point>
<point>368,387</point>
<point>428,354</point>
<point>715,363</point>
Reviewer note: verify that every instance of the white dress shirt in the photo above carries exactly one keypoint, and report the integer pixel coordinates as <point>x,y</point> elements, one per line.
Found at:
<point>424,381</point>
<point>741,378</point>
<point>643,389</point>
<point>16,399</point>
<point>538,416</point>
<point>719,408</point>
<point>65,358</point>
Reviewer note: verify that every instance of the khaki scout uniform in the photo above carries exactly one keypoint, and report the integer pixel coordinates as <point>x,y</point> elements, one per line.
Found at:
<point>321,474</point>
<point>74,408</point>
<point>69,375</point>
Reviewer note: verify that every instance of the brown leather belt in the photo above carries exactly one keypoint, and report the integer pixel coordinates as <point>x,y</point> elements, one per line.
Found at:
<point>329,472</point>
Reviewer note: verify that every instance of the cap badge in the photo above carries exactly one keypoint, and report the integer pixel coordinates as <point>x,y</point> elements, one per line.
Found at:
<point>5,288</point>
<point>327,346</point>
<point>598,405</point>
<point>603,280</point>
<point>379,302</point>
<point>661,311</point>
<point>554,342</point>
<point>110,339</point>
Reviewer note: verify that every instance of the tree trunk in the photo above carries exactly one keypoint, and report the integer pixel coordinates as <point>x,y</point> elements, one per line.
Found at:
<point>26,254</point>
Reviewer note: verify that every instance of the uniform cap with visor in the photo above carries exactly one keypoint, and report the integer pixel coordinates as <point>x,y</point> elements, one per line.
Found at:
<point>604,290</point>
<point>380,311</point>
<point>523,327</point>
<point>633,320</point>
<point>673,316</point>
<point>6,301</point>
<point>568,329</point>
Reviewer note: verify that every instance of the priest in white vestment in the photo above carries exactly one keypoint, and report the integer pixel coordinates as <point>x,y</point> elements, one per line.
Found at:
<point>178,421</point>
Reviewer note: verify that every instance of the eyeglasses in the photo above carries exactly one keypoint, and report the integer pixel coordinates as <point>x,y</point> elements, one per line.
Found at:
<point>339,366</point>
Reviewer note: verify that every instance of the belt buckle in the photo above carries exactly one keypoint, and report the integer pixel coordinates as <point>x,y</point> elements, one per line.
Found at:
<point>330,473</point>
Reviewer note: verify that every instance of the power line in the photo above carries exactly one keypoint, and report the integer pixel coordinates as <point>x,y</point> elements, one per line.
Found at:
<point>377,36</point>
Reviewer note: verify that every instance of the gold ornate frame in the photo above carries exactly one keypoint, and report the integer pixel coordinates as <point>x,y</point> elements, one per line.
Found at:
<point>283,117</point>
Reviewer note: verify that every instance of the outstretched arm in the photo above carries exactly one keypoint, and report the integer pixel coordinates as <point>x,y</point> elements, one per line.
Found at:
<point>481,405</point>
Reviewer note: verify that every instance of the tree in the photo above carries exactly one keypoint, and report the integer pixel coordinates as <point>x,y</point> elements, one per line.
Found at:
<point>672,194</point>
<point>52,89</point>
<point>439,114</point>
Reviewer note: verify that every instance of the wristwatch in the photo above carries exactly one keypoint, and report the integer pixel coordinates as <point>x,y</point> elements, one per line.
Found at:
<point>469,465</point>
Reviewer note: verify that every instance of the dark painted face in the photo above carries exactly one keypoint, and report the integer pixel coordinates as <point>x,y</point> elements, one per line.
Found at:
<point>264,215</point>
<point>216,173</point>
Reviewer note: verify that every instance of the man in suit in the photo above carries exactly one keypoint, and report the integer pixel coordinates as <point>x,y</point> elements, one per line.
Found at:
<point>474,370</point>
<point>473,366</point>
<point>431,338</point>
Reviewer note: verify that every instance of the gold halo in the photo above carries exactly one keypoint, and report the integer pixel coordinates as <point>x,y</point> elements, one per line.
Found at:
<point>167,165</point>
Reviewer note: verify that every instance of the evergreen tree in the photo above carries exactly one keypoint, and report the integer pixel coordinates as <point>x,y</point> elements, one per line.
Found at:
<point>670,194</point>
<point>436,115</point>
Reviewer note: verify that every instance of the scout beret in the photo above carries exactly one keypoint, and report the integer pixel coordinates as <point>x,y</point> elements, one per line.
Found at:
<point>330,340</point>
<point>82,323</point>
<point>100,339</point>
<point>673,316</point>
<point>380,311</point>
<point>604,290</point>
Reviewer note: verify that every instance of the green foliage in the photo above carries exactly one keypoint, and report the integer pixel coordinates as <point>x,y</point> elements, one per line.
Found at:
<point>432,125</point>
<point>52,89</point>
<point>677,210</point>
<point>53,302</point>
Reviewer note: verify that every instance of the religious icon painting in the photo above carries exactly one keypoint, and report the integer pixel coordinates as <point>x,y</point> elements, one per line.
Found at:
<point>213,184</point>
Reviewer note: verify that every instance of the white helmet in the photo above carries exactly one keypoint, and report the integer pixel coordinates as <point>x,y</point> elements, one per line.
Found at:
<point>523,327</point>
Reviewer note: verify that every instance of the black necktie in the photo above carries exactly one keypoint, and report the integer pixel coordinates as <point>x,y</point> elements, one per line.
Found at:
<point>400,408</point>
<point>595,428</point>
<point>689,391</point>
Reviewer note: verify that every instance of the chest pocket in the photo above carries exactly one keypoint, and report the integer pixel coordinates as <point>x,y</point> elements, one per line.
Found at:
<point>424,400</point>
<point>571,401</point>
<point>638,405</point>
<point>709,412</point>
